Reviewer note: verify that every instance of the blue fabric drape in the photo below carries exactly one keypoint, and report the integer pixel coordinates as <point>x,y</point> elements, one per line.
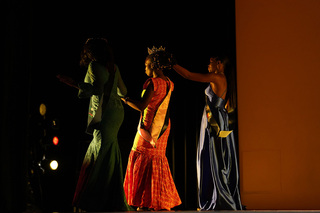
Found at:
<point>217,166</point>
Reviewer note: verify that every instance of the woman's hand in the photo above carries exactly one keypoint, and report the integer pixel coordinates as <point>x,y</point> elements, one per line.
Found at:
<point>144,102</point>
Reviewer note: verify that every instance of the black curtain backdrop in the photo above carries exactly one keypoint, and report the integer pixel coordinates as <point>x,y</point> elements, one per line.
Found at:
<point>43,39</point>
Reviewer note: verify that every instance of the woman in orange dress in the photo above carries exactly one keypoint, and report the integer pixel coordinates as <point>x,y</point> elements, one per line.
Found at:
<point>148,181</point>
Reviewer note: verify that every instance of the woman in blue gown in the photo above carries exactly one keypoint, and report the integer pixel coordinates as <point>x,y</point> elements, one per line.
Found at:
<point>217,166</point>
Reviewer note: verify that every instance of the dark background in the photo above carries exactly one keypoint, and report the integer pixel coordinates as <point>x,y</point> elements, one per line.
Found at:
<point>43,39</point>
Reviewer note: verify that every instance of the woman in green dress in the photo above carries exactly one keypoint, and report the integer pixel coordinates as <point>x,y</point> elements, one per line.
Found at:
<point>100,184</point>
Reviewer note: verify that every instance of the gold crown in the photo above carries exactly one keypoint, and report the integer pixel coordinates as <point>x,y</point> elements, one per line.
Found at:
<point>154,49</point>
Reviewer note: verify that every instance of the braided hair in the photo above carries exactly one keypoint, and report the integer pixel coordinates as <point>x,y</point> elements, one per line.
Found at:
<point>161,60</point>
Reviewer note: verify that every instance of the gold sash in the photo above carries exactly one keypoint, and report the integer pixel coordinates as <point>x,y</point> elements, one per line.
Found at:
<point>157,124</point>
<point>213,123</point>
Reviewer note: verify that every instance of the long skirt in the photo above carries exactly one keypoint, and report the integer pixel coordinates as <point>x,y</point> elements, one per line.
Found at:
<point>100,184</point>
<point>148,181</point>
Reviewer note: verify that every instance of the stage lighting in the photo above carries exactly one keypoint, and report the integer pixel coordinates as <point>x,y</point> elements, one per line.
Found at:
<point>54,165</point>
<point>55,140</point>
<point>55,124</point>
<point>43,109</point>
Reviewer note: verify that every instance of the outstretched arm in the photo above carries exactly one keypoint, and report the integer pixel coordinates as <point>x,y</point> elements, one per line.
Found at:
<point>140,105</point>
<point>200,77</point>
<point>67,80</point>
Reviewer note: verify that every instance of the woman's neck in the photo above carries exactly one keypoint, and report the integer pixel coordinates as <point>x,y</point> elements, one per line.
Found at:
<point>159,74</point>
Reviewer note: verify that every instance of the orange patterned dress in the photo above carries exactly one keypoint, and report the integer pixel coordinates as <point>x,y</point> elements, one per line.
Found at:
<point>148,181</point>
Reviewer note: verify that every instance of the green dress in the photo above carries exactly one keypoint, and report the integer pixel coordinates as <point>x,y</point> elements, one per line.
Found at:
<point>100,183</point>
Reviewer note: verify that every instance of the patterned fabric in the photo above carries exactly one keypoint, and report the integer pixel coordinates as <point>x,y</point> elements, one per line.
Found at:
<point>160,90</point>
<point>148,181</point>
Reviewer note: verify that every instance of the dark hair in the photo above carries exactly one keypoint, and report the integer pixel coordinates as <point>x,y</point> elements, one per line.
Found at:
<point>229,72</point>
<point>99,50</point>
<point>160,60</point>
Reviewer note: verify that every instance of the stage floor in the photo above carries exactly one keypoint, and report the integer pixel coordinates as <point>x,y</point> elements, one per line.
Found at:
<point>248,211</point>
<point>219,211</point>
<point>195,211</point>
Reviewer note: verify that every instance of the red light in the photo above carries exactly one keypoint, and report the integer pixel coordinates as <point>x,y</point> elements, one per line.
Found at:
<point>55,140</point>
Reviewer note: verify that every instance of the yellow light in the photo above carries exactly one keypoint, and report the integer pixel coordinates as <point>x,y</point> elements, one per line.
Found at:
<point>43,109</point>
<point>54,165</point>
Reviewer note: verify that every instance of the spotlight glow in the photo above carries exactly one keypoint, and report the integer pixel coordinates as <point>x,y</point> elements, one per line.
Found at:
<point>43,109</point>
<point>55,140</point>
<point>54,165</point>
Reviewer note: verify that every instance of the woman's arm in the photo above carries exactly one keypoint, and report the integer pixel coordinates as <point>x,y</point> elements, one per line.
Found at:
<point>200,77</point>
<point>67,80</point>
<point>145,100</point>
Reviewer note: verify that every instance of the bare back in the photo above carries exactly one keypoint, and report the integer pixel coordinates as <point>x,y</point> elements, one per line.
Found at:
<point>219,86</point>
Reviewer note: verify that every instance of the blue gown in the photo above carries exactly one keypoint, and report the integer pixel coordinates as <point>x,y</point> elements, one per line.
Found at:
<point>217,166</point>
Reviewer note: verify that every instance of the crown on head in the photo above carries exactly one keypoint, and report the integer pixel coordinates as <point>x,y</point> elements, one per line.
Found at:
<point>154,49</point>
